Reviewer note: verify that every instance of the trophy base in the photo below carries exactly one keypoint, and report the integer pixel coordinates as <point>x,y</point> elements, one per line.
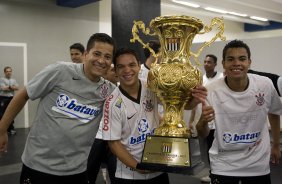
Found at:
<point>195,169</point>
<point>171,154</point>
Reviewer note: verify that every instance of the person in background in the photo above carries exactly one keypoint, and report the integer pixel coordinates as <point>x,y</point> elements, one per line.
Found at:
<point>210,75</point>
<point>8,86</point>
<point>130,113</point>
<point>68,116</point>
<point>77,52</point>
<point>100,155</point>
<point>239,104</point>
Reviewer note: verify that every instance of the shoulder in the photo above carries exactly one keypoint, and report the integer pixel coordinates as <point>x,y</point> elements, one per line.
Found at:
<point>216,84</point>
<point>107,85</point>
<point>113,101</point>
<point>219,74</point>
<point>55,67</point>
<point>258,78</point>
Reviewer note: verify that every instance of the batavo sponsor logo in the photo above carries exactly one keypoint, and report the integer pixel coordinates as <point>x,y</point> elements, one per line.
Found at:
<point>106,113</point>
<point>70,107</point>
<point>236,138</point>
<point>143,129</point>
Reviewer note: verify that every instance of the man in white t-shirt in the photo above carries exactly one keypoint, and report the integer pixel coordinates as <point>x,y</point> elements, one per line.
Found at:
<point>130,114</point>
<point>239,104</point>
<point>211,75</point>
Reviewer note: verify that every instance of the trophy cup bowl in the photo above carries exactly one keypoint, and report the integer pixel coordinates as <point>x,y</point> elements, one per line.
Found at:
<point>172,80</point>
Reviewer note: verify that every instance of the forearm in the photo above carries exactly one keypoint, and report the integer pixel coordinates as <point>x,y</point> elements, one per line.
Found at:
<point>5,88</point>
<point>274,121</point>
<point>202,128</point>
<point>122,154</point>
<point>14,88</point>
<point>13,109</point>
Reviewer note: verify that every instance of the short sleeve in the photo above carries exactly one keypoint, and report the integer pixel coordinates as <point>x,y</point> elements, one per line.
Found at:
<point>43,82</point>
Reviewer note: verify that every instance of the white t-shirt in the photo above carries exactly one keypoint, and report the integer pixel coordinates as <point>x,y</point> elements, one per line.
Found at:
<point>130,121</point>
<point>143,73</point>
<point>279,84</point>
<point>242,145</point>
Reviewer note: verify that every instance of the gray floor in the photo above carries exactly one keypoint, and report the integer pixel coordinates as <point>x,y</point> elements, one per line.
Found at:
<point>10,165</point>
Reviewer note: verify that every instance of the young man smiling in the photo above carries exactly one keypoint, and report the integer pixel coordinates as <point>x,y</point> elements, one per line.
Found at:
<point>131,113</point>
<point>68,115</point>
<point>239,104</point>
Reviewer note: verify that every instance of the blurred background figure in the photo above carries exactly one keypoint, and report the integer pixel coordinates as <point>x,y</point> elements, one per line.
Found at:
<point>111,75</point>
<point>8,86</point>
<point>77,52</point>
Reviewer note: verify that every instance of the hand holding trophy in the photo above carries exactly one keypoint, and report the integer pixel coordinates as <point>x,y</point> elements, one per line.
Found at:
<point>172,80</point>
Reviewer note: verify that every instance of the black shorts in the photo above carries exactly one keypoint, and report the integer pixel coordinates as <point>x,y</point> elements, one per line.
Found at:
<point>31,176</point>
<point>219,179</point>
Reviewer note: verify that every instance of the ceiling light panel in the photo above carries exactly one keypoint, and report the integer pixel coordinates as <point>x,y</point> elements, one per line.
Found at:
<point>194,5</point>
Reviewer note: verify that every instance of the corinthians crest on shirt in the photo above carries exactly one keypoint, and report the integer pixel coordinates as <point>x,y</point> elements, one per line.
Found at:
<point>260,99</point>
<point>143,130</point>
<point>104,90</point>
<point>148,105</point>
<point>73,109</point>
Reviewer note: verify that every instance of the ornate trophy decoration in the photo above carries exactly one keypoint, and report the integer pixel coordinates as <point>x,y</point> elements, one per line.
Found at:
<point>172,80</point>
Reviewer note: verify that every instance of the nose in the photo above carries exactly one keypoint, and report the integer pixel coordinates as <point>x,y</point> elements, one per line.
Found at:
<point>126,69</point>
<point>236,62</point>
<point>101,60</point>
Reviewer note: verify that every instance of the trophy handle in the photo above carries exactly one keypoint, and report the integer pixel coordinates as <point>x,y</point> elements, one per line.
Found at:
<point>220,27</point>
<point>135,30</point>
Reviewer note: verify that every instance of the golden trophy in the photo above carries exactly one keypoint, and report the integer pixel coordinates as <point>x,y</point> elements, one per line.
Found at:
<point>172,79</point>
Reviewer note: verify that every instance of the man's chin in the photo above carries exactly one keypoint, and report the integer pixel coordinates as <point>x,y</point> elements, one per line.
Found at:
<point>100,73</point>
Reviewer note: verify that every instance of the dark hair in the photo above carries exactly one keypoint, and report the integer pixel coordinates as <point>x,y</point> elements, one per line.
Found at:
<point>155,45</point>
<point>7,67</point>
<point>78,46</point>
<point>123,51</point>
<point>213,57</point>
<point>100,37</point>
<point>236,44</point>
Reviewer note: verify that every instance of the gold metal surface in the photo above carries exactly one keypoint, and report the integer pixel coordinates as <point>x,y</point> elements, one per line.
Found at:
<point>172,151</point>
<point>173,78</point>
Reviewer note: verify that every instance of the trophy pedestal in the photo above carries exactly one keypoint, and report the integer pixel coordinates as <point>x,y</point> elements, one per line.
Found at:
<point>171,154</point>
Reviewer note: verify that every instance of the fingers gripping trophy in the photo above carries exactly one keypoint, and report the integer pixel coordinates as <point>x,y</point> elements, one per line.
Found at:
<point>172,80</point>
